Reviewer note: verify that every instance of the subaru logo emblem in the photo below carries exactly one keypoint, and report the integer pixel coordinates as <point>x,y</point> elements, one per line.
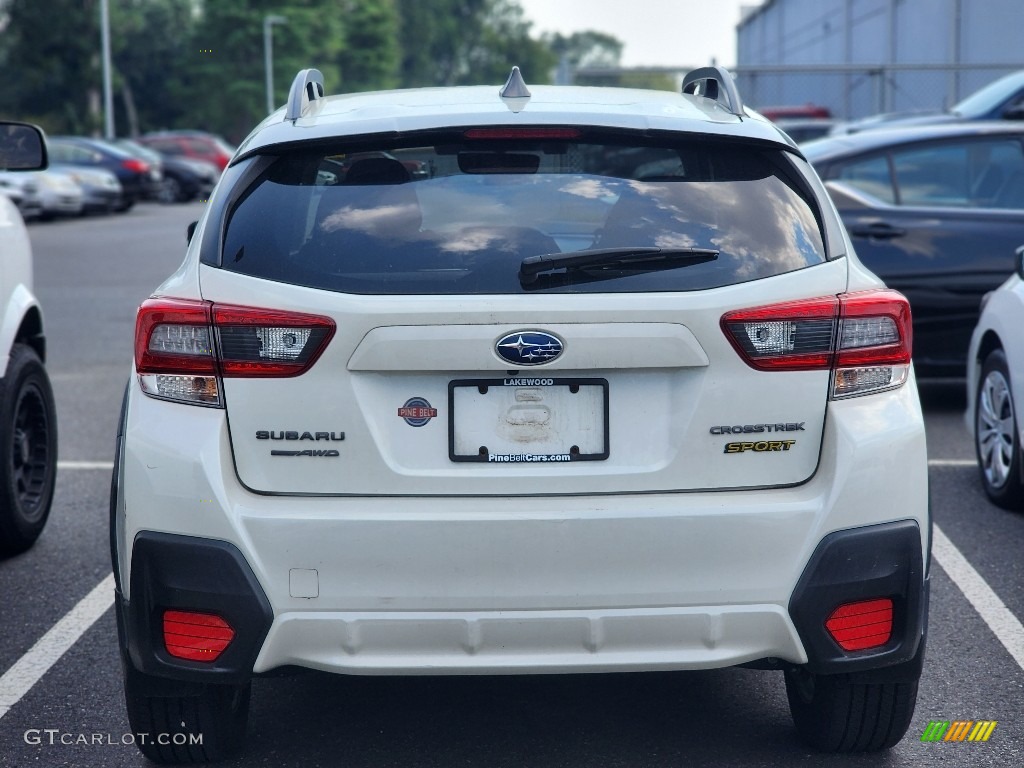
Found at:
<point>528,348</point>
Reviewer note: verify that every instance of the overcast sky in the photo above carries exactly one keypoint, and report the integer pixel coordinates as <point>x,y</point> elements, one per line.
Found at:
<point>681,33</point>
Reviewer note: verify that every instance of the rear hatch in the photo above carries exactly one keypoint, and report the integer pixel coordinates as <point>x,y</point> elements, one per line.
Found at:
<point>523,313</point>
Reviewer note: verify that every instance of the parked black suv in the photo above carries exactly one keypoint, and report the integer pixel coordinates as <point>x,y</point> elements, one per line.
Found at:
<point>1002,99</point>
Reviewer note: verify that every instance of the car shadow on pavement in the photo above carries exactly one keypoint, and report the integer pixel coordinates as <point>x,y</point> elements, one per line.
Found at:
<point>730,717</point>
<point>943,394</point>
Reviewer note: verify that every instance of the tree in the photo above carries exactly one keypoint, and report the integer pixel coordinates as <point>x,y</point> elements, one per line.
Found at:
<point>586,49</point>
<point>505,41</point>
<point>592,50</point>
<point>152,46</point>
<point>370,59</point>
<point>50,64</point>
<point>657,81</point>
<point>225,88</point>
<point>199,63</point>
<point>432,35</point>
<point>462,42</point>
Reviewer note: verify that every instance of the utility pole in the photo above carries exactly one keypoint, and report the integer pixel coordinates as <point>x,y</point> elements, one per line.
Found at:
<point>268,54</point>
<point>108,94</point>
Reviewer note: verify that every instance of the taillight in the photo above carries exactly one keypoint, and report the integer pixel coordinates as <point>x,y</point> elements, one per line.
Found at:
<point>196,636</point>
<point>861,625</point>
<point>183,348</point>
<point>864,338</point>
<point>135,165</point>
<point>266,343</point>
<point>875,339</point>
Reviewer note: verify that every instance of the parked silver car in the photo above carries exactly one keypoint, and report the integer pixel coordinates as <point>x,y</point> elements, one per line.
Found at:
<point>101,191</point>
<point>60,194</point>
<point>22,190</point>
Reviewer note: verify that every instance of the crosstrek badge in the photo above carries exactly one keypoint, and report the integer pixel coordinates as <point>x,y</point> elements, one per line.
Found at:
<point>417,411</point>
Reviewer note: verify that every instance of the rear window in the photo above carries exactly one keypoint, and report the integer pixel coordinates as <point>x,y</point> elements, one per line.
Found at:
<point>458,215</point>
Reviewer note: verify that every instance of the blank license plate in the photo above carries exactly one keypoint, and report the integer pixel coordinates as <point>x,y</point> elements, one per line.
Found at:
<point>528,420</point>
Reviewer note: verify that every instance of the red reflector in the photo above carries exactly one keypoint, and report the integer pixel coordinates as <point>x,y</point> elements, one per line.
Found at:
<point>522,133</point>
<point>135,165</point>
<point>857,626</point>
<point>196,636</point>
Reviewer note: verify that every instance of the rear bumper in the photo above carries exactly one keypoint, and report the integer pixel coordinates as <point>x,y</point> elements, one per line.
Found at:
<point>202,575</point>
<point>211,576</point>
<point>863,564</point>
<point>532,584</point>
<point>101,200</point>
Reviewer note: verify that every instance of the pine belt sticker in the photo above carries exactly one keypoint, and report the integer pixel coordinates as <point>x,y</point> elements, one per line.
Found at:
<point>417,411</point>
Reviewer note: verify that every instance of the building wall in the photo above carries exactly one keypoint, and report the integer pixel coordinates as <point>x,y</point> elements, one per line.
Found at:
<point>858,56</point>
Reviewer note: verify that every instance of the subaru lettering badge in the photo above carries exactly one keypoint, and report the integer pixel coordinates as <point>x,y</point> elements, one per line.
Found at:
<point>528,348</point>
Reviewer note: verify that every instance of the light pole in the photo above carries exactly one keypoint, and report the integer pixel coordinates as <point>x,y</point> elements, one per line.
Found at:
<point>268,55</point>
<point>108,97</point>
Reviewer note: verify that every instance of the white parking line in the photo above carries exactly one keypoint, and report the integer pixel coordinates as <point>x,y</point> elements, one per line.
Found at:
<point>952,462</point>
<point>107,465</point>
<point>19,679</point>
<point>1006,627</point>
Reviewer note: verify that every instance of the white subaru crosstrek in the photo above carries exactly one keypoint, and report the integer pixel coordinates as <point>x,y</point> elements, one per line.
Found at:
<point>520,380</point>
<point>28,419</point>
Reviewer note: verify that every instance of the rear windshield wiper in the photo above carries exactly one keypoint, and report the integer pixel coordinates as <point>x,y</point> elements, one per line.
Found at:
<point>648,259</point>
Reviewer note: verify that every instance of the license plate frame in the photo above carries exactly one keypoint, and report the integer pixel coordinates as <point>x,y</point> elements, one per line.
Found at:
<point>571,453</point>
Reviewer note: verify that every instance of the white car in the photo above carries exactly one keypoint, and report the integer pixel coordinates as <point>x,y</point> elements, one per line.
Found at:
<point>28,419</point>
<point>60,194</point>
<point>22,190</point>
<point>995,390</point>
<point>520,380</point>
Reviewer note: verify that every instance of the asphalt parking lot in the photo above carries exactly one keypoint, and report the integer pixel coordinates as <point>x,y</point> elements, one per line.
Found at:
<point>90,276</point>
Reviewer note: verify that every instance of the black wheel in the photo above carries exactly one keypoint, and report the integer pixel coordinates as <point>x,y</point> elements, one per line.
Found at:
<point>170,728</point>
<point>996,438</point>
<point>28,450</point>
<point>170,191</point>
<point>834,714</point>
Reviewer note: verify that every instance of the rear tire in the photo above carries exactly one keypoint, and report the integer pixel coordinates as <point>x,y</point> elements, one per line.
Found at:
<point>996,435</point>
<point>834,714</point>
<point>170,191</point>
<point>28,450</point>
<point>181,730</point>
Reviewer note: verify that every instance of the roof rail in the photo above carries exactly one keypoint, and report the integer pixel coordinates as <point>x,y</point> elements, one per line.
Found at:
<point>715,83</point>
<point>307,87</point>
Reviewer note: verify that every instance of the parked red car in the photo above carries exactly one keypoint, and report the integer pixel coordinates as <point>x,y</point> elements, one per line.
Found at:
<point>195,144</point>
<point>801,111</point>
